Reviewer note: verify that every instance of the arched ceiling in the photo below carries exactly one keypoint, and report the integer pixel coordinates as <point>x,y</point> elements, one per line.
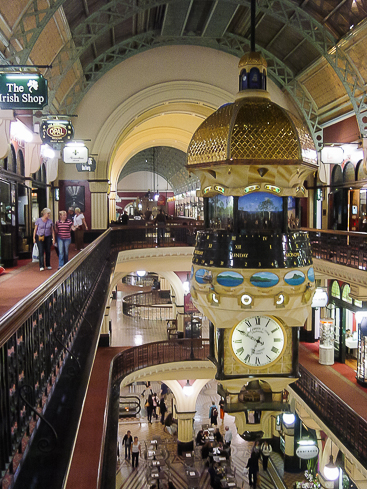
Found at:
<point>314,48</point>
<point>167,162</point>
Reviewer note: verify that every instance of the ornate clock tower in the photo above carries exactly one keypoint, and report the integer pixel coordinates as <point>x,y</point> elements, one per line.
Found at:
<point>252,272</point>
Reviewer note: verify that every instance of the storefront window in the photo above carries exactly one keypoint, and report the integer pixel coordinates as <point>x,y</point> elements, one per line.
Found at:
<point>335,290</point>
<point>345,296</point>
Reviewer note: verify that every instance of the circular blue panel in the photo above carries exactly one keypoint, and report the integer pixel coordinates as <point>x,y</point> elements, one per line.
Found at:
<point>203,276</point>
<point>294,277</point>
<point>311,274</point>
<point>264,279</point>
<point>229,279</point>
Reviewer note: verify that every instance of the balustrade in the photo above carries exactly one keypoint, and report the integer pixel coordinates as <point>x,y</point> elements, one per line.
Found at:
<point>40,336</point>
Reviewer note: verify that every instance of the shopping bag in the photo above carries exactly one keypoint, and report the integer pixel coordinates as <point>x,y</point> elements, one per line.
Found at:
<point>35,253</point>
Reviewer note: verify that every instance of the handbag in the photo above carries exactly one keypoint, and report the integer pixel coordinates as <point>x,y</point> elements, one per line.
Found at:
<point>35,253</point>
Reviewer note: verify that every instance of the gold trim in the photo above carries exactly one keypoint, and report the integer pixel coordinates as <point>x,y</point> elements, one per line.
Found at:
<point>264,367</point>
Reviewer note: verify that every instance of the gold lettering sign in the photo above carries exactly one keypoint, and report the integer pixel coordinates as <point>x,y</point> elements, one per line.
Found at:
<point>240,255</point>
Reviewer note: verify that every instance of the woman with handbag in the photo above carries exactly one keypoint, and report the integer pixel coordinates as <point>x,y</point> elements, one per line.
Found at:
<point>44,235</point>
<point>79,226</point>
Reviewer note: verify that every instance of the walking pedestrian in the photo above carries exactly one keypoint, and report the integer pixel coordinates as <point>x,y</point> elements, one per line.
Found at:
<point>79,226</point>
<point>253,469</point>
<point>44,235</point>
<point>127,441</point>
<point>63,233</point>
<point>213,414</point>
<point>163,409</point>
<point>227,436</point>
<point>149,406</point>
<point>135,450</point>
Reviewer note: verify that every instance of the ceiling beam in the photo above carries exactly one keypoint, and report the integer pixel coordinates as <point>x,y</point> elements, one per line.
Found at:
<point>219,19</point>
<point>175,18</point>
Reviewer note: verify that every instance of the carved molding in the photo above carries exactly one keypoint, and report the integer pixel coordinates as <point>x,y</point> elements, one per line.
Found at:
<point>352,276</point>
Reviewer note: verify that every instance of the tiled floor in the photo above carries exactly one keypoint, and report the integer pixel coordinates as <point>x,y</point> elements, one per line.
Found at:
<point>130,478</point>
<point>128,331</point>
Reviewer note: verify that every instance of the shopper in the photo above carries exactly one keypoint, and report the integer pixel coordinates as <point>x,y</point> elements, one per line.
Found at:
<point>63,232</point>
<point>79,226</point>
<point>136,451</point>
<point>227,436</point>
<point>253,469</point>
<point>127,441</point>
<point>163,409</point>
<point>44,235</point>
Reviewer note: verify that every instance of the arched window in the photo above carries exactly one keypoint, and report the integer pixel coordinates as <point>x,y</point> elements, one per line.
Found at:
<point>349,173</point>
<point>12,160</point>
<point>345,295</point>
<point>360,171</point>
<point>20,163</point>
<point>243,80</point>
<point>337,175</point>
<point>335,290</point>
<point>255,78</point>
<point>43,173</point>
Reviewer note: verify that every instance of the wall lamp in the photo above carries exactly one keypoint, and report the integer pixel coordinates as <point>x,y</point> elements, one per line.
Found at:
<point>188,389</point>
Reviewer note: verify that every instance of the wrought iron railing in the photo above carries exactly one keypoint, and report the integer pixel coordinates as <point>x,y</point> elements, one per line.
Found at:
<point>50,336</point>
<point>127,362</point>
<point>346,425</point>
<point>48,340</point>
<point>149,305</point>
<point>342,247</point>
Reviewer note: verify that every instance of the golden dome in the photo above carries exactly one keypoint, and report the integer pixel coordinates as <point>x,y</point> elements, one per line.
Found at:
<point>250,129</point>
<point>252,59</point>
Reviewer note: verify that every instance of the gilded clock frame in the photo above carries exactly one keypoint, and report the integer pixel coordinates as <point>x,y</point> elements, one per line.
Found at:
<point>260,367</point>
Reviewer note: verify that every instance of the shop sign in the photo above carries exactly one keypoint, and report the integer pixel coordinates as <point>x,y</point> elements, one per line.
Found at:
<point>89,166</point>
<point>56,131</point>
<point>306,452</point>
<point>161,200</point>
<point>188,304</point>
<point>75,154</point>
<point>320,298</point>
<point>332,155</point>
<point>23,91</point>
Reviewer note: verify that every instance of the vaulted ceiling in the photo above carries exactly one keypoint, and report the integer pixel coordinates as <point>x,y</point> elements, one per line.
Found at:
<point>315,49</point>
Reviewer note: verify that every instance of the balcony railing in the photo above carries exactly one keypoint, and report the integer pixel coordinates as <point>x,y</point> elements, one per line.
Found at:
<point>346,425</point>
<point>48,340</point>
<point>342,247</point>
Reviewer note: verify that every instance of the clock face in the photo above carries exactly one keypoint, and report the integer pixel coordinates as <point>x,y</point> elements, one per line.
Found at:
<point>258,341</point>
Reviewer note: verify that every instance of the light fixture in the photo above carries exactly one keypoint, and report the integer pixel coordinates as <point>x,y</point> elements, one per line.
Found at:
<point>47,151</point>
<point>289,419</point>
<point>141,273</point>
<point>246,299</point>
<point>320,298</point>
<point>186,286</point>
<point>20,131</point>
<point>331,471</point>
<point>188,389</point>
<point>360,315</point>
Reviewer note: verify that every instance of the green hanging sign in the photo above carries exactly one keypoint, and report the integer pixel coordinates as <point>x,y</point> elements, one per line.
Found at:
<point>23,91</point>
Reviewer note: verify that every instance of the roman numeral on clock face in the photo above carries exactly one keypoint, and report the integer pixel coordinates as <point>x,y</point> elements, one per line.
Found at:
<point>239,351</point>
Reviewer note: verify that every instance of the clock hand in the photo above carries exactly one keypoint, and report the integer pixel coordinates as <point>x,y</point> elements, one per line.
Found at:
<point>248,336</point>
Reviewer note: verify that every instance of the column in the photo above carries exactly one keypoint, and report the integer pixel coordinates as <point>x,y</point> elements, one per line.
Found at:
<point>185,441</point>
<point>99,204</point>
